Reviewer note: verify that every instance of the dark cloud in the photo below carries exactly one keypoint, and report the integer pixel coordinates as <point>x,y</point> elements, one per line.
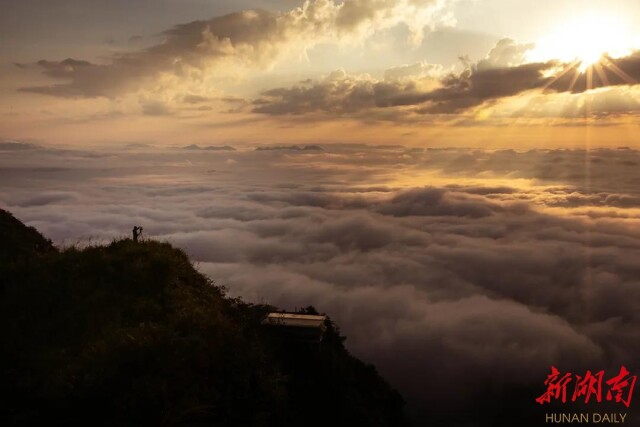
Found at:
<point>331,96</point>
<point>341,94</point>
<point>502,74</point>
<point>476,86</point>
<point>453,288</point>
<point>456,92</point>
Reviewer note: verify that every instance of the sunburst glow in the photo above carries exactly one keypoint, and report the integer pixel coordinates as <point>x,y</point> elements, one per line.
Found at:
<point>585,39</point>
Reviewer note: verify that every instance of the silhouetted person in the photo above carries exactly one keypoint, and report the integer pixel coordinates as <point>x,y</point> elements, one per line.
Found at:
<point>137,232</point>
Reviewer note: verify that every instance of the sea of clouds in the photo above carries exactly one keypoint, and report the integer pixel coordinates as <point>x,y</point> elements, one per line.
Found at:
<point>449,269</point>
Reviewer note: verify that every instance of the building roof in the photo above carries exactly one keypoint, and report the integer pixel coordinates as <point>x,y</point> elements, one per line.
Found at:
<point>295,320</point>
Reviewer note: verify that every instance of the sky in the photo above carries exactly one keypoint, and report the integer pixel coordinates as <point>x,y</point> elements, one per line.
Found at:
<point>455,182</point>
<point>415,72</point>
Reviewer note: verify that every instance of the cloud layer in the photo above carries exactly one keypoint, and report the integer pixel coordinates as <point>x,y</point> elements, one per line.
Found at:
<point>209,70</point>
<point>443,267</point>
<point>419,89</point>
<point>224,44</point>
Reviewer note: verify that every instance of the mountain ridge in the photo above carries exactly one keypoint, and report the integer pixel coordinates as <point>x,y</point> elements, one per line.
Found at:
<point>130,333</point>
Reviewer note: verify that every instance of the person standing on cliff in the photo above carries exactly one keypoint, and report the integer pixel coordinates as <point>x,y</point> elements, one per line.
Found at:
<point>137,232</point>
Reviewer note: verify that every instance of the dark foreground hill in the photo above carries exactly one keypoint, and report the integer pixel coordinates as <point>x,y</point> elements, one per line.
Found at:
<point>131,334</point>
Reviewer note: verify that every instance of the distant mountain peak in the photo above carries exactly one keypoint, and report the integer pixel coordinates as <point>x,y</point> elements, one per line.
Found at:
<point>209,147</point>
<point>291,148</point>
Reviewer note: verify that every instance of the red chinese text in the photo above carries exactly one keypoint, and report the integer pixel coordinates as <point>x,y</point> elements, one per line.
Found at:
<point>589,387</point>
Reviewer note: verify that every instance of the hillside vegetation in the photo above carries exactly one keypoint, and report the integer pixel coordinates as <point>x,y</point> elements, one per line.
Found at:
<point>131,334</point>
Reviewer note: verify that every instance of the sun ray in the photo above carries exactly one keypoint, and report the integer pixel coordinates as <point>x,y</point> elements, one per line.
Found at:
<point>607,62</point>
<point>576,76</point>
<point>601,73</point>
<point>572,66</point>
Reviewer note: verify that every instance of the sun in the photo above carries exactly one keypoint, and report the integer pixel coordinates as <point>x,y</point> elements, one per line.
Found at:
<point>585,39</point>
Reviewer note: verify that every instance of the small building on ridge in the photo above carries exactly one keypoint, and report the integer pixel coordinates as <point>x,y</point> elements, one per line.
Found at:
<point>302,327</point>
